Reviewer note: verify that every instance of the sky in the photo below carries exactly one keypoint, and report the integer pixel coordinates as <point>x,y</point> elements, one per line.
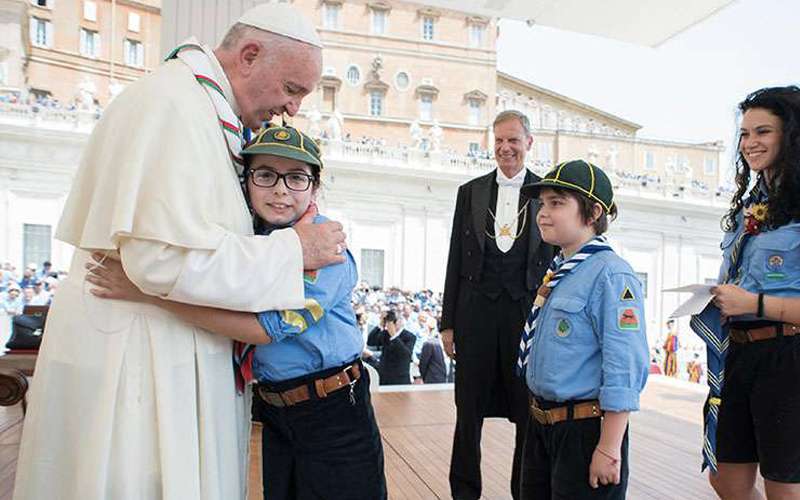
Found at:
<point>686,89</point>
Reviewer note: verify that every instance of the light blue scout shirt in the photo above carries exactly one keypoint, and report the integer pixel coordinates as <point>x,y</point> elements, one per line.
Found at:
<point>769,262</point>
<point>590,340</point>
<point>323,335</point>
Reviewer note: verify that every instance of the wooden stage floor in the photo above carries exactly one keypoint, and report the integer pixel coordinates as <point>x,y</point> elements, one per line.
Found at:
<point>417,429</point>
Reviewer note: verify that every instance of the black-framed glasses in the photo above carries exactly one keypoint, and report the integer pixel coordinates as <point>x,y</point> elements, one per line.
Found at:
<point>294,181</point>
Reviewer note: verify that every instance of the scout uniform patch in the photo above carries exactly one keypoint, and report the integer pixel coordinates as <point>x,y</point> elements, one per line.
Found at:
<point>563,328</point>
<point>628,318</point>
<point>627,294</point>
<point>775,265</point>
<point>282,135</point>
<point>310,277</point>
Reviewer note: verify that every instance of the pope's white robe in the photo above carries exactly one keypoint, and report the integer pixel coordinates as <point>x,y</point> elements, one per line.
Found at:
<point>128,401</point>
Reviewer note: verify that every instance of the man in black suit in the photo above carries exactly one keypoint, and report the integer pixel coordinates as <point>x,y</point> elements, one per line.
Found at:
<point>496,262</point>
<point>397,346</point>
<point>431,362</point>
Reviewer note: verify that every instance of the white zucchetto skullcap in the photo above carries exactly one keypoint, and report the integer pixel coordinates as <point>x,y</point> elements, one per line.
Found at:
<point>282,19</point>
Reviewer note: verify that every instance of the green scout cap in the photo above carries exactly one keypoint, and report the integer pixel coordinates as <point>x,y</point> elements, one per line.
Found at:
<point>285,142</point>
<point>580,176</point>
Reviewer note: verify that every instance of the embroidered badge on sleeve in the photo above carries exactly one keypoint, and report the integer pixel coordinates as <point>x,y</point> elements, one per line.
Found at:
<point>628,318</point>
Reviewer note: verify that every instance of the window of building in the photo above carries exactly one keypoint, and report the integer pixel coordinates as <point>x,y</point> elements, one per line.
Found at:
<point>683,164</point>
<point>134,53</point>
<point>329,99</point>
<point>649,160</point>
<point>353,75</point>
<point>376,103</point>
<point>428,24</point>
<point>402,80</point>
<point>476,34</point>
<point>474,112</point>
<point>41,32</point>
<point>134,22</point>
<point>474,149</point>
<point>36,240</point>
<point>380,19</point>
<point>330,15</point>
<point>426,107</point>
<point>43,3</point>
<point>710,166</point>
<point>89,10</point>
<point>90,43</point>
<point>544,151</point>
<point>3,73</point>
<point>372,267</point>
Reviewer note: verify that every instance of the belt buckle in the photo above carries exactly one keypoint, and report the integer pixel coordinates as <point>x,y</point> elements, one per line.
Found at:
<point>272,398</point>
<point>542,416</point>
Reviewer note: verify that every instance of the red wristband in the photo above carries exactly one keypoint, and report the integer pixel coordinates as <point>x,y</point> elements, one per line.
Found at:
<point>614,460</point>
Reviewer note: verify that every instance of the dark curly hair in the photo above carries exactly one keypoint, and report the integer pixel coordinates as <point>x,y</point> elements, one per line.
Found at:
<point>783,189</point>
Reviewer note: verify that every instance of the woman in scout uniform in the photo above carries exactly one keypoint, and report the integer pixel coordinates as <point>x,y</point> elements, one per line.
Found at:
<point>320,439</point>
<point>752,329</point>
<point>584,350</point>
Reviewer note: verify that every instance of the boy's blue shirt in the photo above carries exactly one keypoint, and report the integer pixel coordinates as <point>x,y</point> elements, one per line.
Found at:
<point>590,340</point>
<point>322,335</point>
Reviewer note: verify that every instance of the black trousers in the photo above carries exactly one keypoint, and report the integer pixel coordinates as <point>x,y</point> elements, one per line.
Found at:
<point>556,459</point>
<point>486,386</point>
<point>322,449</point>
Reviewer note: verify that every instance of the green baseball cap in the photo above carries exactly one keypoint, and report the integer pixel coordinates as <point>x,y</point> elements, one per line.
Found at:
<point>577,175</point>
<point>285,142</point>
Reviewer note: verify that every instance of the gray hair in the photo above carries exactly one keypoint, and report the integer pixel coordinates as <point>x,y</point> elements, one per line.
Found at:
<point>513,114</point>
<point>235,34</point>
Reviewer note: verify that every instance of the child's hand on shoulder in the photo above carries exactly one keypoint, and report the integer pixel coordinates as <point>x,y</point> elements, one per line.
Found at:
<point>604,469</point>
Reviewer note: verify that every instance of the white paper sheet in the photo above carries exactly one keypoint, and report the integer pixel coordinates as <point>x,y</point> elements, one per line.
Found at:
<point>701,296</point>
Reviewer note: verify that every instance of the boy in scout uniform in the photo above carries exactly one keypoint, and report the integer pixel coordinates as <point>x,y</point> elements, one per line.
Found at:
<point>320,438</point>
<point>583,352</point>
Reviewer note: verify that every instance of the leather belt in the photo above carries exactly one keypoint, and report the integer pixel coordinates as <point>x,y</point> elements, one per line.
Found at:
<point>580,411</point>
<point>322,386</point>
<point>743,336</point>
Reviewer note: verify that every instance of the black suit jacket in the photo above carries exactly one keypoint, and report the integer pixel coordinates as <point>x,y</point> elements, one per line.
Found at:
<point>395,365</point>
<point>431,363</point>
<point>467,241</point>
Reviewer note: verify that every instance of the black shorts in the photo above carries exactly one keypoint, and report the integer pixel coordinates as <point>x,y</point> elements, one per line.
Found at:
<point>759,418</point>
<point>556,459</point>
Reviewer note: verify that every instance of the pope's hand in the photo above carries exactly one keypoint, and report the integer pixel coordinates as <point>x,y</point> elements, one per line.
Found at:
<point>323,244</point>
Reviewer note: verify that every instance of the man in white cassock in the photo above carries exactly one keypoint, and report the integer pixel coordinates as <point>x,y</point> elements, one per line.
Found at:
<point>128,401</point>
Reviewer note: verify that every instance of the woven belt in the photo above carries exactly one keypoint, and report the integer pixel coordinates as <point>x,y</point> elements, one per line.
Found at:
<point>322,386</point>
<point>741,336</point>
<point>580,411</point>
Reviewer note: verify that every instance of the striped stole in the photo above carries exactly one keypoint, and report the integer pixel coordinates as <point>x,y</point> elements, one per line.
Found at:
<point>192,54</point>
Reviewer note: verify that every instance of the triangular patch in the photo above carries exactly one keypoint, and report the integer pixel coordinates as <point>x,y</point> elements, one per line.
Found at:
<point>627,294</point>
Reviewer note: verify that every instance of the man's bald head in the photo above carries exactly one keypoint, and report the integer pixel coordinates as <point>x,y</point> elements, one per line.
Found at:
<point>270,73</point>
